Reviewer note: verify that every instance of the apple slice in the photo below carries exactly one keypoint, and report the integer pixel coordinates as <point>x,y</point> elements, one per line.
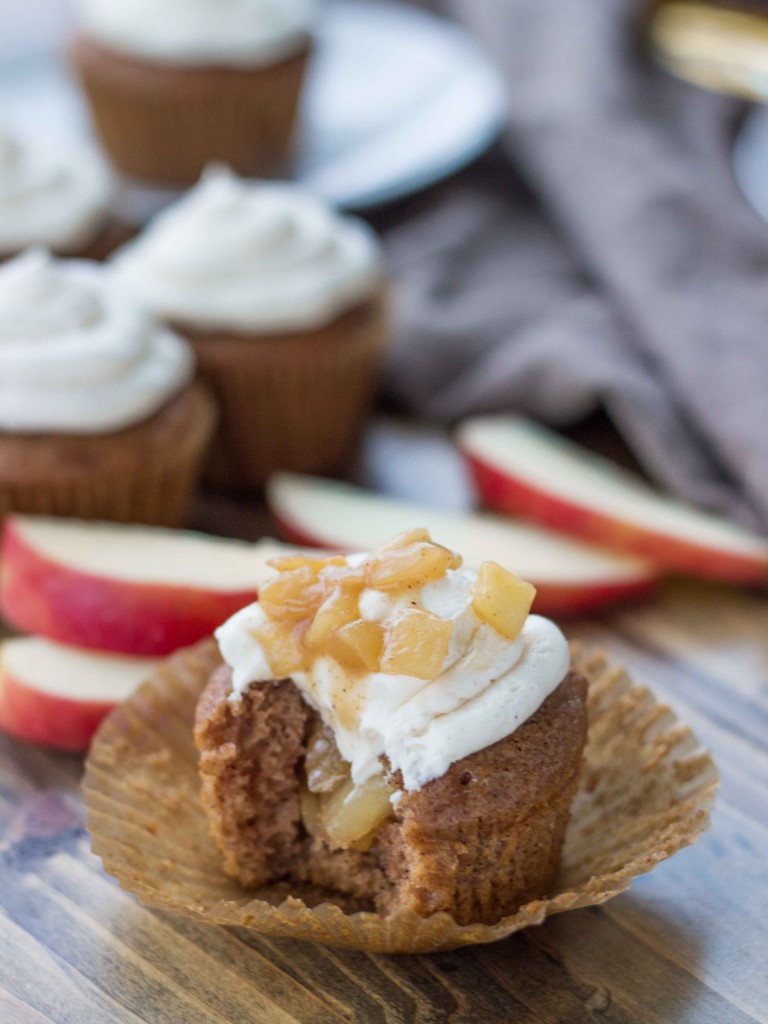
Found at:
<point>569,576</point>
<point>525,470</point>
<point>57,696</point>
<point>130,589</point>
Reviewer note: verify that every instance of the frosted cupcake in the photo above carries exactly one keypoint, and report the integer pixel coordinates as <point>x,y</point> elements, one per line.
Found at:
<point>99,417</point>
<point>396,728</point>
<point>283,301</point>
<point>176,84</point>
<point>56,195</point>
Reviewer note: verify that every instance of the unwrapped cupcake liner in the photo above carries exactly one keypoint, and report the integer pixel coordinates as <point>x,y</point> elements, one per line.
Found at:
<point>295,402</point>
<point>162,124</point>
<point>154,486</point>
<point>646,792</point>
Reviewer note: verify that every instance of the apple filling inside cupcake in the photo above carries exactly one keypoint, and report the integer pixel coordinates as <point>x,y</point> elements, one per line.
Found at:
<point>345,814</point>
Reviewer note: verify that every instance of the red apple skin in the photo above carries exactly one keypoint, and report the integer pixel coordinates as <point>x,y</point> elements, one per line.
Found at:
<point>46,598</point>
<point>556,600</point>
<point>47,719</point>
<point>511,495</point>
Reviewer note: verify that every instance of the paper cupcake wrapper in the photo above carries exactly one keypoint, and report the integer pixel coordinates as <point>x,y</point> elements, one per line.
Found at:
<point>295,402</point>
<point>646,792</point>
<point>155,487</point>
<point>162,124</point>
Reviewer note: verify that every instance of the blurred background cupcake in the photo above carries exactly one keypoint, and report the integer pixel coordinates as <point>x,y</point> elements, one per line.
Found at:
<point>174,85</point>
<point>58,196</point>
<point>99,417</point>
<point>284,303</point>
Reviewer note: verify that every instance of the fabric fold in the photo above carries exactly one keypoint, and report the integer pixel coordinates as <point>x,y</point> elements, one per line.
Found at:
<point>627,271</point>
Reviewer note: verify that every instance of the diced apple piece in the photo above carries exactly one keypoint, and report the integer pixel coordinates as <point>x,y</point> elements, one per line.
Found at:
<point>281,646</point>
<point>350,580</point>
<point>405,539</point>
<point>57,696</point>
<point>129,589</point>
<point>419,535</point>
<point>524,470</point>
<point>323,764</point>
<point>338,609</point>
<point>502,599</point>
<point>416,644</point>
<point>292,596</point>
<point>352,812</point>
<point>569,576</point>
<point>411,566</point>
<point>358,645</point>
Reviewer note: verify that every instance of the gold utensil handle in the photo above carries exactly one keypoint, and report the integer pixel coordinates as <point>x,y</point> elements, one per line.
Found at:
<point>721,46</point>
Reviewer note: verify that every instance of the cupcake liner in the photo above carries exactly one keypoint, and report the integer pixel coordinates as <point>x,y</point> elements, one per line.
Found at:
<point>146,474</point>
<point>162,124</point>
<point>291,402</point>
<point>646,792</point>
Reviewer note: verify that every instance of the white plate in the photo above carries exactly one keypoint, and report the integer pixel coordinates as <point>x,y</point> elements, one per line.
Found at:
<point>396,100</point>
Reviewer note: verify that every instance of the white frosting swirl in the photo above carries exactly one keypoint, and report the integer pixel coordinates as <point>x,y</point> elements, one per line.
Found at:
<point>77,355</point>
<point>233,33</point>
<point>251,257</point>
<point>50,194</point>
<point>487,687</point>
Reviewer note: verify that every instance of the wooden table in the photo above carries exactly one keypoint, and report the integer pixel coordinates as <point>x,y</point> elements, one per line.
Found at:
<point>688,943</point>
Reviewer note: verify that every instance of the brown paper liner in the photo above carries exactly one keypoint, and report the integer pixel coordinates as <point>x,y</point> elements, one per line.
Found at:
<point>147,473</point>
<point>290,401</point>
<point>646,792</point>
<point>162,124</point>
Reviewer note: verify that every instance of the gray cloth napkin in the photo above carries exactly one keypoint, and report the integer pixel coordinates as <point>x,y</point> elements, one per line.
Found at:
<point>627,272</point>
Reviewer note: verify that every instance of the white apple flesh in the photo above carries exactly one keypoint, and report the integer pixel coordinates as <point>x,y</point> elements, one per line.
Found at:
<point>57,696</point>
<point>128,589</point>
<point>569,576</point>
<point>524,470</point>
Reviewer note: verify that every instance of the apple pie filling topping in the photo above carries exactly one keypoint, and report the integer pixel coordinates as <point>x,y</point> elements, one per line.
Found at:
<point>313,606</point>
<point>409,658</point>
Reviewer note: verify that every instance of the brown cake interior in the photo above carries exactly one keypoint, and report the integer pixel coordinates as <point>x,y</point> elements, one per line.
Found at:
<point>477,842</point>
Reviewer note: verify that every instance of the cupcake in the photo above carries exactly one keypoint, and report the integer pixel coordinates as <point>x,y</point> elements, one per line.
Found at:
<point>284,303</point>
<point>54,195</point>
<point>99,417</point>
<point>176,84</point>
<point>396,729</point>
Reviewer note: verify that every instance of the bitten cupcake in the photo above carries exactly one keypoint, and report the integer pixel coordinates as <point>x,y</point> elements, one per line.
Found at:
<point>396,728</point>
<point>56,195</point>
<point>99,417</point>
<point>174,85</point>
<point>284,303</point>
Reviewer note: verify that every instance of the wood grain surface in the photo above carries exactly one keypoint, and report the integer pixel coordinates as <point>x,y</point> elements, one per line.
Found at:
<point>688,943</point>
